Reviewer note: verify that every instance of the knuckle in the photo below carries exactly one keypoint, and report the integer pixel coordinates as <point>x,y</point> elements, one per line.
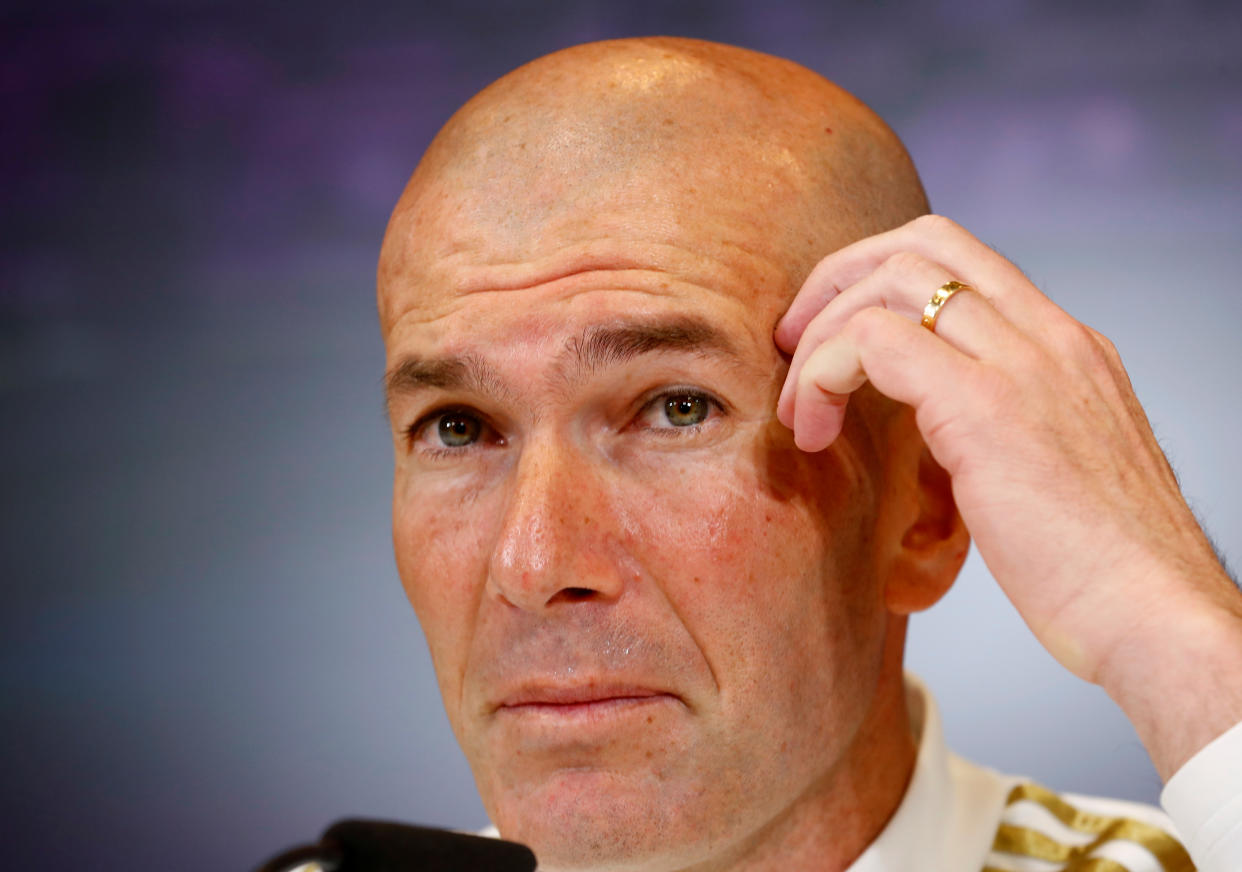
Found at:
<point>903,263</point>
<point>1106,345</point>
<point>902,277</point>
<point>935,225</point>
<point>1093,349</point>
<point>866,324</point>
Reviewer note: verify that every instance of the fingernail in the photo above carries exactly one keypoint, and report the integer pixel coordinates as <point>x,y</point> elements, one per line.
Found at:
<point>779,337</point>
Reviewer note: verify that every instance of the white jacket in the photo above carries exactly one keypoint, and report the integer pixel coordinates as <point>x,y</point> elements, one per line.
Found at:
<point>957,816</point>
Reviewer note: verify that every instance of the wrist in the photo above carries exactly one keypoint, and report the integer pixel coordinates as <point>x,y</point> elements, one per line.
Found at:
<point>1178,678</point>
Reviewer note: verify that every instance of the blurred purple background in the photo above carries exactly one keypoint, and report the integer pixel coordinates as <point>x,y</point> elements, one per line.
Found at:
<point>205,653</point>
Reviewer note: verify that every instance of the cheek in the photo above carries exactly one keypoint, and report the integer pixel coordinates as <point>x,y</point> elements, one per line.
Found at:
<point>442,562</point>
<point>741,546</point>
<point>763,559</point>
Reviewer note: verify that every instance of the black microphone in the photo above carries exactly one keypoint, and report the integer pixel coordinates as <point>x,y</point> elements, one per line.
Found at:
<point>382,846</point>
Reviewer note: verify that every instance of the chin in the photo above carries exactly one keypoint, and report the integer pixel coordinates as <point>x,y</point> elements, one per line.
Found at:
<point>586,819</point>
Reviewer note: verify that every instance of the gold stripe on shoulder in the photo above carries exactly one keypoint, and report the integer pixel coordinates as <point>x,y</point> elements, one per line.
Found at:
<point>1059,808</point>
<point>1031,843</point>
<point>1027,842</point>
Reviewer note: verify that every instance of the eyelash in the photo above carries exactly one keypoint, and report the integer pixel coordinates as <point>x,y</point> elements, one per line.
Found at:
<point>414,431</point>
<point>716,408</point>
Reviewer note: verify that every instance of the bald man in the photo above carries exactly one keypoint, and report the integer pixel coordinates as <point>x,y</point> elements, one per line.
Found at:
<point>692,406</point>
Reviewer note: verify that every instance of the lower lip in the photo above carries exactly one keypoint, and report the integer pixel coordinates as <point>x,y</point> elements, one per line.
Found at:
<point>588,711</point>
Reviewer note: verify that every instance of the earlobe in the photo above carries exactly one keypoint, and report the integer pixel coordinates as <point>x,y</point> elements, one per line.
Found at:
<point>934,542</point>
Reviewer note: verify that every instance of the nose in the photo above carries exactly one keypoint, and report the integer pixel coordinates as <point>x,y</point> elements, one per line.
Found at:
<point>555,544</point>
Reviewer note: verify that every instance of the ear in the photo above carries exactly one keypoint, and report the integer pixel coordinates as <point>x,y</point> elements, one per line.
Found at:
<point>920,528</point>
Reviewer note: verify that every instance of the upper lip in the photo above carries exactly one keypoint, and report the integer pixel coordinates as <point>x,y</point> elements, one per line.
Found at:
<point>576,694</point>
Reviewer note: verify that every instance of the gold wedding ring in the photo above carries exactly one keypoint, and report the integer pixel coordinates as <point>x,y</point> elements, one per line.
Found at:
<point>932,310</point>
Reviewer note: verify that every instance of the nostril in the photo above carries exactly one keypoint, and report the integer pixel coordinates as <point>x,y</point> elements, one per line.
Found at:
<point>577,593</point>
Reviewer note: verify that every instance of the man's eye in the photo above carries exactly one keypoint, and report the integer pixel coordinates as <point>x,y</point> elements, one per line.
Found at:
<point>679,411</point>
<point>448,431</point>
<point>457,429</point>
<point>686,410</point>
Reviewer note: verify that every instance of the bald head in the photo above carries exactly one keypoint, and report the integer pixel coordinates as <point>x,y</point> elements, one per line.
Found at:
<point>662,128</point>
<point>578,292</point>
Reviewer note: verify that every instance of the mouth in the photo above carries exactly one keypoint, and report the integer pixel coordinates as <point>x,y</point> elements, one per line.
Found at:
<point>584,701</point>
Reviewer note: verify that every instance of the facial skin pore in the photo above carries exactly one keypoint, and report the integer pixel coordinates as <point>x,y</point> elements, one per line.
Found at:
<point>665,638</point>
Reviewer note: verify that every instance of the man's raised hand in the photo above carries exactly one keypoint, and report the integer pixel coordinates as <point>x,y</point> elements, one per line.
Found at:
<point>1055,469</point>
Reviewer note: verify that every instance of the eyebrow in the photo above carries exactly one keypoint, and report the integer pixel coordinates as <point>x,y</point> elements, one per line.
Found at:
<point>466,372</point>
<point>598,347</point>
<point>613,344</point>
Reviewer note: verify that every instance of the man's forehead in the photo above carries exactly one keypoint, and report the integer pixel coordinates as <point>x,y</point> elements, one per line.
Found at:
<point>587,310</point>
<point>450,242</point>
<point>571,355</point>
<point>632,258</point>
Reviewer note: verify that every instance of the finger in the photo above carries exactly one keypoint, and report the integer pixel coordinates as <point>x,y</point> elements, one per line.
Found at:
<point>833,372</point>
<point>903,284</point>
<point>935,238</point>
<point>901,359</point>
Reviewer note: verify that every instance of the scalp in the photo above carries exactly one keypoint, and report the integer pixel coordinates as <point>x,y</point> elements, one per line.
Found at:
<point>671,127</point>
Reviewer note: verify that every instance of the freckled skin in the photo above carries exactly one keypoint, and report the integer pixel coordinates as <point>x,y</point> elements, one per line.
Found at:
<point>742,579</point>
